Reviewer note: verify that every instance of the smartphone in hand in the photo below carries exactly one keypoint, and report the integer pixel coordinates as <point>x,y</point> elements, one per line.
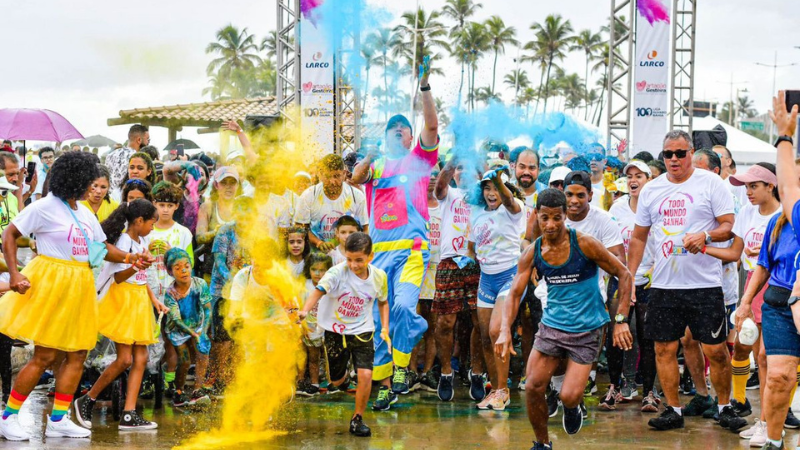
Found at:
<point>792,98</point>
<point>31,171</point>
<point>180,150</point>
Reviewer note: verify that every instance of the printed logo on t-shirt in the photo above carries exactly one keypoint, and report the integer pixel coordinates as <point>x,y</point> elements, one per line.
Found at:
<point>349,310</point>
<point>674,212</point>
<point>75,237</point>
<point>670,249</point>
<point>458,243</point>
<point>753,238</point>
<point>435,233</point>
<point>141,276</point>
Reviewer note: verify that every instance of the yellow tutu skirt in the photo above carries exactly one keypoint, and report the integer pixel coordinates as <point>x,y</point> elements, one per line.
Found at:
<point>126,315</point>
<point>59,310</point>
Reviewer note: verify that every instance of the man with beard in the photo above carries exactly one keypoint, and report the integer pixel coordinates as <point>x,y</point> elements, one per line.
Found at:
<point>526,171</point>
<point>397,193</point>
<point>321,205</point>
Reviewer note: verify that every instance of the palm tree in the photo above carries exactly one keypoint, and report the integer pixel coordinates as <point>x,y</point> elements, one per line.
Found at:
<point>217,87</point>
<point>370,57</point>
<point>528,95</point>
<point>384,41</point>
<point>459,11</point>
<point>236,50</point>
<point>745,107</point>
<point>589,43</point>
<point>518,79</point>
<point>538,54</point>
<point>573,90</point>
<point>473,42</point>
<point>428,33</point>
<point>485,95</point>
<point>555,35</point>
<point>499,36</point>
<point>269,44</point>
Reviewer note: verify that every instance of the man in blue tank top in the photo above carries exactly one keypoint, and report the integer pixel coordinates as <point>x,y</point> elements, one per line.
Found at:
<point>573,320</point>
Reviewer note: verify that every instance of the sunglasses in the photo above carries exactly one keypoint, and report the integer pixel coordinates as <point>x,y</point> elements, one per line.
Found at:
<point>557,183</point>
<point>668,154</point>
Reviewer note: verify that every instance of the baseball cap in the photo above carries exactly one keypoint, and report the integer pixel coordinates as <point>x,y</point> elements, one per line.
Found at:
<point>754,173</point>
<point>302,174</point>
<point>559,173</point>
<point>226,172</point>
<point>397,119</point>
<point>580,178</point>
<point>503,175</point>
<point>641,165</point>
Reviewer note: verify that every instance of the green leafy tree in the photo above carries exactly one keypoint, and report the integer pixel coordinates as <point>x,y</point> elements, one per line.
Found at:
<point>234,49</point>
<point>589,43</point>
<point>555,34</point>
<point>459,11</point>
<point>499,36</point>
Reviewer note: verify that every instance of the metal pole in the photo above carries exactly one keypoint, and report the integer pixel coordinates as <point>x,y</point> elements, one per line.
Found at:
<point>516,86</point>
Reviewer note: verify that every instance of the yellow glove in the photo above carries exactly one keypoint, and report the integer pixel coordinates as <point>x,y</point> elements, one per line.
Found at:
<point>608,182</point>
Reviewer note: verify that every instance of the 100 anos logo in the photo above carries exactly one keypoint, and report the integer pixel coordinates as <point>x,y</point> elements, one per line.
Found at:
<point>650,112</point>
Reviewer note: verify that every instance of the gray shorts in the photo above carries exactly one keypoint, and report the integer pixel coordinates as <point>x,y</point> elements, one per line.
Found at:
<point>583,348</point>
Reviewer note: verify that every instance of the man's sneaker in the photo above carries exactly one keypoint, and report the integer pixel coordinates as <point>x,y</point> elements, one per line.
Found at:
<point>668,420</point>
<point>753,382</point>
<point>477,389</point>
<point>728,419</point>
<point>572,420</point>
<point>591,388</point>
<point>413,380</point>
<point>742,409</point>
<point>484,404</point>
<point>712,412</point>
<point>698,405</point>
<point>386,398</point>
<point>750,432</point>
<point>83,411</point>
<point>791,421</point>
<point>687,384</point>
<point>65,428</point>
<point>170,391</point>
<point>553,402</point>
<point>199,398</point>
<point>11,429</point>
<point>609,402</point>
<point>584,411</point>
<point>400,381</point>
<point>358,428</point>
<point>445,388</point>
<point>306,390</point>
<point>758,434</point>
<point>501,399</point>
<point>628,390</point>
<point>428,382</point>
<point>650,403</point>
<point>131,421</point>
<point>771,446</point>
<point>540,446</point>
<point>522,381</point>
<point>179,398</point>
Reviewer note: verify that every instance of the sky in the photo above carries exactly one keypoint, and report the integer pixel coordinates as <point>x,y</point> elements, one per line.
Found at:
<point>89,59</point>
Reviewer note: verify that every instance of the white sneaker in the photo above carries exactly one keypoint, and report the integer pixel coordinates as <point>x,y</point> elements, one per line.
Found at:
<point>65,428</point>
<point>748,433</point>
<point>759,438</point>
<point>11,429</point>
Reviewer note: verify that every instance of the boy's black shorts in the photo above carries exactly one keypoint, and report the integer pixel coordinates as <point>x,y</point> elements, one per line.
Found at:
<point>339,348</point>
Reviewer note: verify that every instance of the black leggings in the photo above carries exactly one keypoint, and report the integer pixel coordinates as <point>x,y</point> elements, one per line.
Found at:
<point>6,343</point>
<point>647,352</point>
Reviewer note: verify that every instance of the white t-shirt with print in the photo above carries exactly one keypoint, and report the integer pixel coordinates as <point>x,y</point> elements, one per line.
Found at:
<point>750,225</point>
<point>673,210</point>
<point>55,230</point>
<point>320,213</point>
<point>455,214</point>
<point>497,237</point>
<point>177,236</point>
<point>600,225</point>
<point>434,234</point>
<point>622,213</point>
<point>278,212</point>
<point>347,306</point>
<point>124,243</point>
<point>598,192</point>
<point>337,256</point>
<point>530,204</point>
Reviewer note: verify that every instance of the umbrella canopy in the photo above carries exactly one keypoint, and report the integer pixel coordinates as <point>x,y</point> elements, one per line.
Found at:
<point>36,124</point>
<point>96,141</point>
<point>187,145</point>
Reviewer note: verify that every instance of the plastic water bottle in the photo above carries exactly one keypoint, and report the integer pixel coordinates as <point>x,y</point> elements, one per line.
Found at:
<point>749,332</point>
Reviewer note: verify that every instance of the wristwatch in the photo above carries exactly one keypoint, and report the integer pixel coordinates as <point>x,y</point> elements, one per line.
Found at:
<point>784,138</point>
<point>425,88</point>
<point>708,237</point>
<point>792,300</point>
<point>619,318</point>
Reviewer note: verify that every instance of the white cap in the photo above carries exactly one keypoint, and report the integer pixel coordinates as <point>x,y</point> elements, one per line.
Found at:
<point>4,184</point>
<point>641,165</point>
<point>559,174</point>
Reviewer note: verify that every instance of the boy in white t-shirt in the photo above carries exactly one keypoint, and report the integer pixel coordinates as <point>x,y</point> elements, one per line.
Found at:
<point>350,290</point>
<point>344,227</point>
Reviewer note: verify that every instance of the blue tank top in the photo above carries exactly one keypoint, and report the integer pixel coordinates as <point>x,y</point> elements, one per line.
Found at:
<point>574,302</point>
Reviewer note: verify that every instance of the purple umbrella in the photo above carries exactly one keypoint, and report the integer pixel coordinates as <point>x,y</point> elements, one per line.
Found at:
<point>35,124</point>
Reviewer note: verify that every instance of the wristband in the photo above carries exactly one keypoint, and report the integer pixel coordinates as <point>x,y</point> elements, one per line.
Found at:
<point>127,256</point>
<point>703,251</point>
<point>784,138</point>
<point>425,88</point>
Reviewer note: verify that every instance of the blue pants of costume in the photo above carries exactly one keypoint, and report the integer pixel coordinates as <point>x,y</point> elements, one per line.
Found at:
<point>405,270</point>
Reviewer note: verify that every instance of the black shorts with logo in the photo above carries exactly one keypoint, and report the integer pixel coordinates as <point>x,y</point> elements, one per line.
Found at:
<point>670,311</point>
<point>339,348</point>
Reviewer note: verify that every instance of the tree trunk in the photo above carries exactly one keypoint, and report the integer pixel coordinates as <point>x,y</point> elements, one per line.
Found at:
<point>539,94</point>
<point>385,90</point>
<point>461,84</point>
<point>547,82</point>
<point>366,93</point>
<point>473,86</point>
<point>494,70</point>
<point>586,89</point>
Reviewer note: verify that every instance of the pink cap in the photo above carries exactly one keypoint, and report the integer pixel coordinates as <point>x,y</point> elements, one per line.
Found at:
<point>754,173</point>
<point>225,172</point>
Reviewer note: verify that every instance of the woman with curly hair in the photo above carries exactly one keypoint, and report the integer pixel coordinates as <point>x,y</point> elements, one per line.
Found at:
<point>54,302</point>
<point>98,199</point>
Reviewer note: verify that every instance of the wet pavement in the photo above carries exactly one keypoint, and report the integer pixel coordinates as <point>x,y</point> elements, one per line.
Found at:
<point>417,421</point>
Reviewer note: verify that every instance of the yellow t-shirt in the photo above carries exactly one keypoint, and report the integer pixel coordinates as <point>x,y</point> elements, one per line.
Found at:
<point>106,208</point>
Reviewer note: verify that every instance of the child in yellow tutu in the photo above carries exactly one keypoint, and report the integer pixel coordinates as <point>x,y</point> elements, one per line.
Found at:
<point>125,313</point>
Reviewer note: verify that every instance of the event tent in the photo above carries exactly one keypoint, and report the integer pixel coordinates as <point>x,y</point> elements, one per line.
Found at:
<point>746,149</point>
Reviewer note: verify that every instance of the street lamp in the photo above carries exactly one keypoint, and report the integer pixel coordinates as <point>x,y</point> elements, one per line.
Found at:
<point>774,66</point>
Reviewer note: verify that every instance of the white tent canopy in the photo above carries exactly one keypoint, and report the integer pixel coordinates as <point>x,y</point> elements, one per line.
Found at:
<point>746,149</point>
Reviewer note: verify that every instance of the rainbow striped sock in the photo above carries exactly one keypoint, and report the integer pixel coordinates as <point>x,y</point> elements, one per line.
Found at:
<point>15,402</point>
<point>60,406</point>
